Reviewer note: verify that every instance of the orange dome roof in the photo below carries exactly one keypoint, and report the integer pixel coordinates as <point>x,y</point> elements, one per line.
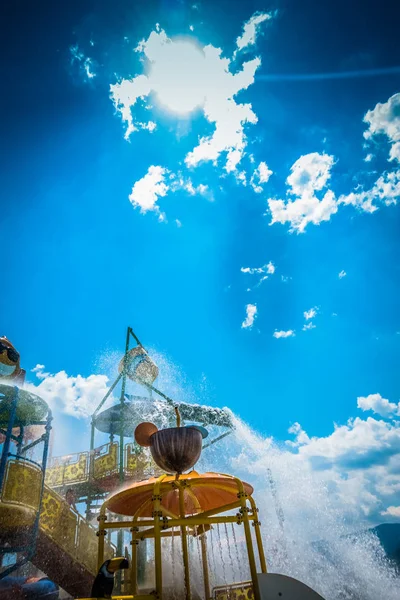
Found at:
<point>204,492</point>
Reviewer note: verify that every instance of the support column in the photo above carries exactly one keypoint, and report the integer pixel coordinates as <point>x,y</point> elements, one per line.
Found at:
<point>157,513</point>
<point>7,441</point>
<point>134,543</point>
<point>141,561</point>
<point>206,577</point>
<point>101,535</point>
<point>256,524</point>
<point>249,542</point>
<point>184,543</point>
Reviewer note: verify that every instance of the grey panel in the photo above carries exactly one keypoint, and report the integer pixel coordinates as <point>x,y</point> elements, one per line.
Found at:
<point>281,587</point>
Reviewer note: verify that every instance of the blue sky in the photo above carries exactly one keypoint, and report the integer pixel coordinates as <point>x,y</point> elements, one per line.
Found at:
<point>94,250</point>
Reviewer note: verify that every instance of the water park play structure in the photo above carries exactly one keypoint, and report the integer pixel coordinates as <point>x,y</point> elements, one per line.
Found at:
<point>163,532</point>
<point>36,519</point>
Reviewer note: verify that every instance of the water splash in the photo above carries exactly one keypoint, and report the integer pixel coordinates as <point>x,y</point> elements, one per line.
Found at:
<point>306,532</point>
<point>307,528</point>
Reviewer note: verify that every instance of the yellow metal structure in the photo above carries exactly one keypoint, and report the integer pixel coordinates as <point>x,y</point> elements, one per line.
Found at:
<point>192,520</point>
<point>67,471</point>
<point>19,504</point>
<point>82,468</point>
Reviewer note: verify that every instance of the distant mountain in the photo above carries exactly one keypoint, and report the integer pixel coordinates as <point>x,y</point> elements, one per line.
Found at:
<point>389,537</point>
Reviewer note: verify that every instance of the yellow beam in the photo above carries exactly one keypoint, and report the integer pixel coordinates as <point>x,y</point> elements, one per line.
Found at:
<point>260,547</point>
<point>187,521</point>
<point>157,537</point>
<point>249,541</point>
<point>133,582</point>
<point>101,534</point>
<point>221,509</point>
<point>206,577</point>
<point>120,524</point>
<point>184,541</point>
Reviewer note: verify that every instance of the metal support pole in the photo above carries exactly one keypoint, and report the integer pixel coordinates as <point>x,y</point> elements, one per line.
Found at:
<point>141,561</point>
<point>260,547</point>
<point>7,441</point>
<point>101,534</point>
<point>135,337</point>
<point>134,543</point>
<point>91,470</point>
<point>122,400</point>
<point>249,542</point>
<point>120,539</point>
<point>20,440</point>
<point>206,577</point>
<point>184,543</point>
<point>157,535</point>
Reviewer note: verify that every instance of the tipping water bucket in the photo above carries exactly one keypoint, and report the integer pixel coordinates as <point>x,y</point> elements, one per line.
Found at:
<point>138,366</point>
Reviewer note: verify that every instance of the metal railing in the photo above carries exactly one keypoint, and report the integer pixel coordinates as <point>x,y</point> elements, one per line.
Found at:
<point>20,503</point>
<point>99,465</point>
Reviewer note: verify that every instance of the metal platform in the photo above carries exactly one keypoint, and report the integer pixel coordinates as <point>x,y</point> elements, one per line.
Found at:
<point>30,408</point>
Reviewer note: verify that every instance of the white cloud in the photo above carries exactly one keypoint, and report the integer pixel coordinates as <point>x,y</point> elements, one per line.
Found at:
<point>385,119</point>
<point>260,176</point>
<point>309,174</point>
<point>221,109</point>
<point>251,271</point>
<point>76,396</point>
<point>191,189</point>
<point>241,177</point>
<point>183,77</point>
<point>310,314</point>
<point>392,511</point>
<point>149,189</point>
<point>342,274</point>
<point>358,444</point>
<point>380,406</point>
<point>150,126</point>
<point>178,223</point>
<point>301,436</point>
<point>250,30</point>
<point>386,189</point>
<point>309,325</point>
<point>283,334</point>
<point>268,269</point>
<point>251,312</point>
<point>86,64</point>
<point>369,157</point>
<point>271,268</point>
<point>394,153</point>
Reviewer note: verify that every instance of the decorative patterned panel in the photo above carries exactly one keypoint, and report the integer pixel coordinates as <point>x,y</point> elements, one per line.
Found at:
<point>137,462</point>
<point>234,592</point>
<point>106,464</point>
<point>76,472</point>
<point>87,546</point>
<point>22,484</point>
<point>58,520</point>
<point>54,475</point>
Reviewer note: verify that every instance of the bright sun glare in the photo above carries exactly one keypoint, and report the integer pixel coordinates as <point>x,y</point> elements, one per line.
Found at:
<point>178,75</point>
